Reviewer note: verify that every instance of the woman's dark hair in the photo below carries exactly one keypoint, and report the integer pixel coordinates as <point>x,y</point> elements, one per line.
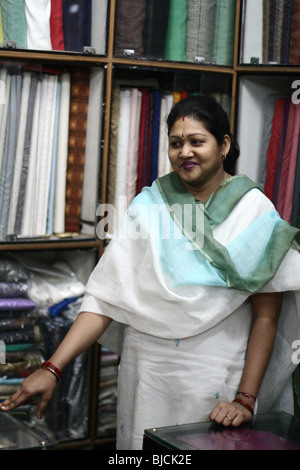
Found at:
<point>208,111</point>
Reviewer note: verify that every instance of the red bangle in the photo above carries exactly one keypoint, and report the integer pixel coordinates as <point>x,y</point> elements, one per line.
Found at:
<point>248,395</point>
<point>242,402</point>
<point>55,371</point>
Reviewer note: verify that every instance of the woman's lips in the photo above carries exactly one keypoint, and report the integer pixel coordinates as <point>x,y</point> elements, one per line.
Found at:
<point>188,165</point>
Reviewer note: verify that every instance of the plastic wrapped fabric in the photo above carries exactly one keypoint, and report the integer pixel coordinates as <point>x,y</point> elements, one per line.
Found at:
<point>29,334</point>
<point>14,323</point>
<point>28,361</point>
<point>13,289</point>
<point>67,412</point>
<point>12,271</point>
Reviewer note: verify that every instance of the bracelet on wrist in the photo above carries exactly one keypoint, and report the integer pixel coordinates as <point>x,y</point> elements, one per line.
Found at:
<point>53,369</point>
<point>246,405</point>
<point>248,395</point>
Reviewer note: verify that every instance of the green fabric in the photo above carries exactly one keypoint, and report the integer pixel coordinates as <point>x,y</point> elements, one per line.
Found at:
<point>14,22</point>
<point>176,31</point>
<point>216,209</point>
<point>224,31</point>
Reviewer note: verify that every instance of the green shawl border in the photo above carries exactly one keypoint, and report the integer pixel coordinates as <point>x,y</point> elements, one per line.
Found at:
<point>216,209</point>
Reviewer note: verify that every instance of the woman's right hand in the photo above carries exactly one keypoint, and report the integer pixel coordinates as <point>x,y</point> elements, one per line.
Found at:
<point>39,384</point>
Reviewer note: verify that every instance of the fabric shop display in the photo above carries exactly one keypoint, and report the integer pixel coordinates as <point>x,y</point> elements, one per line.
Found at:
<point>44,142</point>
<point>62,25</point>
<point>177,30</point>
<point>29,295</point>
<point>276,152</point>
<point>271,31</point>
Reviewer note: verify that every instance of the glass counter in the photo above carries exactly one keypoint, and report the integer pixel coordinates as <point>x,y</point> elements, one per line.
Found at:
<point>270,431</point>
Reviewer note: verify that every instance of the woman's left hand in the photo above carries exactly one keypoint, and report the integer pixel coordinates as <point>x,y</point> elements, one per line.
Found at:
<point>230,414</point>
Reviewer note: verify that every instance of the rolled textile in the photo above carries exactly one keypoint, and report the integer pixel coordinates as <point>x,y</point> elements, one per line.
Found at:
<point>12,271</point>
<point>114,129</point>
<point>141,139</point>
<point>45,154</point>
<point>4,110</point>
<point>155,135</point>
<point>176,31</point>
<point>253,31</point>
<point>286,31</point>
<point>122,152</point>
<point>76,147</point>
<point>19,151</point>
<point>56,25</point>
<point>278,30</point>
<point>266,27</point>
<point>29,212</point>
<point>77,24</point>
<point>130,18</point>
<point>62,155</point>
<point>26,152</point>
<point>199,29</point>
<point>294,54</point>
<point>164,165</point>
<point>51,199</point>
<point>38,24</point>
<point>16,303</point>
<point>14,22</point>
<point>133,151</point>
<point>98,25</point>
<point>13,289</point>
<point>155,28</point>
<point>9,152</point>
<point>224,30</point>
<point>273,147</point>
<point>296,195</point>
<point>281,153</point>
<point>90,188</point>
<point>269,109</point>
<point>291,166</point>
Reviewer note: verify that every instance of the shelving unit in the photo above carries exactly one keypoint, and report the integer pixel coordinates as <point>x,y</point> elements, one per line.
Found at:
<point>116,68</point>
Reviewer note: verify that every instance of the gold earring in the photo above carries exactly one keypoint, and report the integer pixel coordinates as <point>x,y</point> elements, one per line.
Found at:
<point>224,157</point>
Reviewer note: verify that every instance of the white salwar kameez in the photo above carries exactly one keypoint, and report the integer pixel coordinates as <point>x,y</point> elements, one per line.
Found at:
<point>185,343</point>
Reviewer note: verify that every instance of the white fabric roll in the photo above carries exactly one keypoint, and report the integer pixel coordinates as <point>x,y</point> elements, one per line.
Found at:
<point>37,15</point>
<point>62,155</point>
<point>164,165</point>
<point>253,31</point>
<point>122,153</point>
<point>45,154</point>
<point>98,26</point>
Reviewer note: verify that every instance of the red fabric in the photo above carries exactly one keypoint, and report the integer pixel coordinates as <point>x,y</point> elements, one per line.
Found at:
<point>272,153</point>
<point>56,25</point>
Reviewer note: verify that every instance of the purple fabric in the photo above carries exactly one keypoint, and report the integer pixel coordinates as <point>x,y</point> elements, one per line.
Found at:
<point>238,439</point>
<point>16,304</point>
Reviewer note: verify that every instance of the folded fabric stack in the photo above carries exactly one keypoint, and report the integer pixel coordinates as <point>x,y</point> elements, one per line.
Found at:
<point>19,330</point>
<point>38,304</point>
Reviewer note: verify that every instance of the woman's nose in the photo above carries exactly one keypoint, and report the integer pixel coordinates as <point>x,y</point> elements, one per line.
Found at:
<point>186,151</point>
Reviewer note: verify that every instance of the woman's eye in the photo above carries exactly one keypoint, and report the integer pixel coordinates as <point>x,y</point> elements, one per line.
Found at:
<point>174,144</point>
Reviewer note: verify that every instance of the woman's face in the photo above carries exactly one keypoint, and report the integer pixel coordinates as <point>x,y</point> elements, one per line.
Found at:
<point>194,153</point>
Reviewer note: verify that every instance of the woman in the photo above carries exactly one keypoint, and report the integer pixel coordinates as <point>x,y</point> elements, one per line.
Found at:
<point>196,275</point>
